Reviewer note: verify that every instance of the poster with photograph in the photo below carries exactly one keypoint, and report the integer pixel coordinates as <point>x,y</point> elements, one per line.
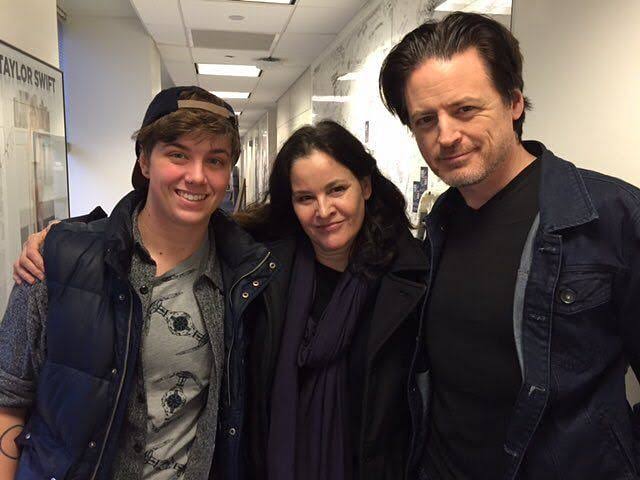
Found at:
<point>419,188</point>
<point>33,155</point>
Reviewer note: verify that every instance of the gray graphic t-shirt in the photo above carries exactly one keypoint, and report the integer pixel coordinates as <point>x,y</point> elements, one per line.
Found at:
<point>176,360</point>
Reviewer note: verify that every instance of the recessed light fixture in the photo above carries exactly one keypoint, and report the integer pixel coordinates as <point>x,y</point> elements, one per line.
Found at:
<point>283,2</point>
<point>349,76</point>
<point>330,98</point>
<point>492,7</point>
<point>232,95</point>
<point>228,70</point>
<point>238,113</point>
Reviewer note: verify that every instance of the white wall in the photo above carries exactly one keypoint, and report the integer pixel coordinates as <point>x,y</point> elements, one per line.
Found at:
<point>582,72</point>
<point>112,71</point>
<point>294,108</point>
<point>258,152</point>
<point>31,25</point>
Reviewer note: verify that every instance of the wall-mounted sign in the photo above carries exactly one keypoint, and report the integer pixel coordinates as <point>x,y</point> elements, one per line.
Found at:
<point>33,157</point>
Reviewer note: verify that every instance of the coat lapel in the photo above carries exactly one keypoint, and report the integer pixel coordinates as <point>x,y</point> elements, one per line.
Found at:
<point>399,294</point>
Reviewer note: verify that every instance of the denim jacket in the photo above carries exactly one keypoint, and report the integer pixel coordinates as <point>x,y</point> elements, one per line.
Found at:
<point>576,327</point>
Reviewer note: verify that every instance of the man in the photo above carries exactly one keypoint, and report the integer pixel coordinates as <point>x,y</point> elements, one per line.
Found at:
<point>531,319</point>
<point>116,361</point>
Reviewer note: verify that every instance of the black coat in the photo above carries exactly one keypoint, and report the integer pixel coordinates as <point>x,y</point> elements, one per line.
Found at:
<point>386,424</point>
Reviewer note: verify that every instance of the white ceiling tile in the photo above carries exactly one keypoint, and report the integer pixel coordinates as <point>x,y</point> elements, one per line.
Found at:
<point>301,48</point>
<point>320,19</point>
<point>238,105</point>
<point>223,40</point>
<point>182,73</point>
<point>258,17</point>
<point>160,12</point>
<point>175,53</point>
<point>277,81</point>
<point>168,34</point>
<point>357,4</point>
<point>240,57</point>
<point>97,8</point>
<point>227,84</point>
<point>264,95</point>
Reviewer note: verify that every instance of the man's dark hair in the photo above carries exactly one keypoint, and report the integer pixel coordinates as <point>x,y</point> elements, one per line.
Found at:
<point>457,32</point>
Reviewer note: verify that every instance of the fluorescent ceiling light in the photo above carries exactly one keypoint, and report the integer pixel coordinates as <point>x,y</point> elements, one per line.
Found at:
<point>330,98</point>
<point>240,95</point>
<point>350,76</point>
<point>492,7</point>
<point>238,113</point>
<point>228,70</point>
<point>283,2</point>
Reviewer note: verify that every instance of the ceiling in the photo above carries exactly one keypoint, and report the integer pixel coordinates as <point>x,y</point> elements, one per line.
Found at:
<point>97,8</point>
<point>296,34</point>
<point>241,32</point>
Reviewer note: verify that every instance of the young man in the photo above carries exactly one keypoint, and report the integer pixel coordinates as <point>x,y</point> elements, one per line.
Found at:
<point>112,367</point>
<point>531,319</point>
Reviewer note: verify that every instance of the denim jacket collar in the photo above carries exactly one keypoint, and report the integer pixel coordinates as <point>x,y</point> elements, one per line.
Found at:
<point>563,198</point>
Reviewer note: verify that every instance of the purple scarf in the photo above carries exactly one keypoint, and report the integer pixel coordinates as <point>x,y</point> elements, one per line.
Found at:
<point>309,437</point>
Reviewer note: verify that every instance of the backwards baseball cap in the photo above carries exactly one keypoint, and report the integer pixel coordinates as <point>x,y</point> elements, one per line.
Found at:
<point>168,101</point>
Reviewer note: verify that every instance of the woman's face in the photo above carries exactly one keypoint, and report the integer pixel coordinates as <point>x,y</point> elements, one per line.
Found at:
<point>329,202</point>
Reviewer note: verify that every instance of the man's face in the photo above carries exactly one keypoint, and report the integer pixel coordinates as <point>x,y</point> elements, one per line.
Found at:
<point>187,178</point>
<point>463,128</point>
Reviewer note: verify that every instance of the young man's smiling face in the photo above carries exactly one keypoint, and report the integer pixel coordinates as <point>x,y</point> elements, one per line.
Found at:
<point>187,178</point>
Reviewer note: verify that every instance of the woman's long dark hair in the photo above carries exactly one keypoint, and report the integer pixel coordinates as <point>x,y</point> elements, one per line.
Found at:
<point>385,216</point>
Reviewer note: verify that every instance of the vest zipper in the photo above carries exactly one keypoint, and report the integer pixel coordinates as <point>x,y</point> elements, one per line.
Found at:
<point>124,374</point>
<point>233,337</point>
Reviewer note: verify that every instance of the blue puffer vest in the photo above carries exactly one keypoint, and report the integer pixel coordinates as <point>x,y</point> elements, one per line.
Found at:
<point>91,334</point>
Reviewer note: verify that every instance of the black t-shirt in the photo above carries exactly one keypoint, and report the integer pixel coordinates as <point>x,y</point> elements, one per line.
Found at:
<point>470,334</point>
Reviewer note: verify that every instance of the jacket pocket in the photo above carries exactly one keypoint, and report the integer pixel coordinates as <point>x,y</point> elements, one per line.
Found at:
<point>42,456</point>
<point>581,288</point>
<point>581,316</point>
<point>73,404</point>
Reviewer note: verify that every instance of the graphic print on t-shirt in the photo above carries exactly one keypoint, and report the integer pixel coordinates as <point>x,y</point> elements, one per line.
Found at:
<point>159,465</point>
<point>174,398</point>
<point>179,323</point>
<point>177,365</point>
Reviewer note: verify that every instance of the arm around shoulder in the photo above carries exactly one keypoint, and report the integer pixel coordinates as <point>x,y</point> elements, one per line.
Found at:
<point>30,265</point>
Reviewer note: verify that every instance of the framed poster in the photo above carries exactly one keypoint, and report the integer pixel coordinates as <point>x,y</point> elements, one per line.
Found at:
<point>33,154</point>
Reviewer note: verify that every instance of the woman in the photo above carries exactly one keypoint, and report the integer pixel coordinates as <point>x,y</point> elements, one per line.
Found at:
<point>332,337</point>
